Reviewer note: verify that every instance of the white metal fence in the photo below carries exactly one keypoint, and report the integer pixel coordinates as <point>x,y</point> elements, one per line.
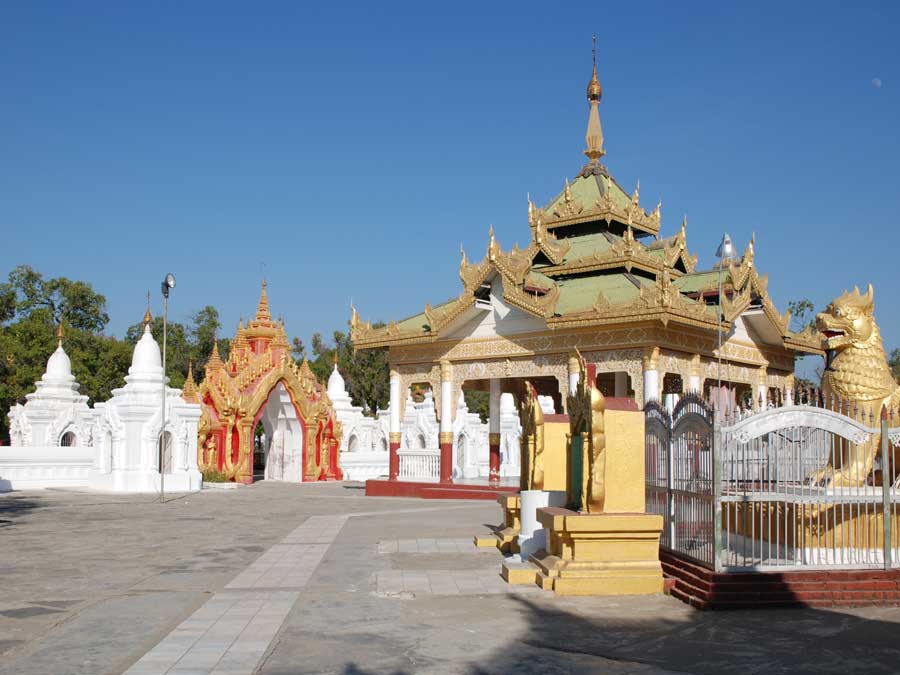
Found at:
<point>799,485</point>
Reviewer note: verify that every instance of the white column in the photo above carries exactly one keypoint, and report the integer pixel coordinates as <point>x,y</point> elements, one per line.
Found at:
<point>621,389</point>
<point>395,402</point>
<point>446,398</point>
<point>762,388</point>
<point>574,374</point>
<point>693,383</point>
<point>651,375</point>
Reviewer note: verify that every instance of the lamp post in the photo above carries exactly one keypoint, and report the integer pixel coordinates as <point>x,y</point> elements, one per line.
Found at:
<point>167,284</point>
<point>724,252</point>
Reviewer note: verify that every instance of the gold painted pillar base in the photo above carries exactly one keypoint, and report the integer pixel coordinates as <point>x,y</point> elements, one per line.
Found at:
<point>505,535</point>
<point>600,554</point>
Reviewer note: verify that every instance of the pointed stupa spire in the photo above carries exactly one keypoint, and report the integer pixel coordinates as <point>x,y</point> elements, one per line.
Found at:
<point>215,361</point>
<point>262,310</point>
<point>594,134</point>
<point>189,391</point>
<point>148,317</point>
<point>59,334</point>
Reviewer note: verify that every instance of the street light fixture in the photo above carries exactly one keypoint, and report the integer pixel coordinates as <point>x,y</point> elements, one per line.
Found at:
<point>724,252</point>
<point>167,284</point>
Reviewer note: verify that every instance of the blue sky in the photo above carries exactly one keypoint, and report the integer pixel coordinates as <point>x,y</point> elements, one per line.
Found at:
<point>352,148</point>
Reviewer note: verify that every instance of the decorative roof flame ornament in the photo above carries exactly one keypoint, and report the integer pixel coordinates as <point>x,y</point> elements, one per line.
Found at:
<point>492,244</point>
<point>594,136</point>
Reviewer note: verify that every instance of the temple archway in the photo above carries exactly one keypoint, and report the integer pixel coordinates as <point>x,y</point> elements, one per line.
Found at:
<point>261,384</point>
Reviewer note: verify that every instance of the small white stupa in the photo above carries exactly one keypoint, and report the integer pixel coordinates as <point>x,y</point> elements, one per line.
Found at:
<point>364,440</point>
<point>128,429</point>
<point>55,414</point>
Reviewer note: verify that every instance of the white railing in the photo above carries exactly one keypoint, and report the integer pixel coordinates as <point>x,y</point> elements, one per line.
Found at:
<point>424,463</point>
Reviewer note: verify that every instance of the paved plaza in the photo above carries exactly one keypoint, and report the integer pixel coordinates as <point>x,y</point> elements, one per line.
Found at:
<point>316,578</point>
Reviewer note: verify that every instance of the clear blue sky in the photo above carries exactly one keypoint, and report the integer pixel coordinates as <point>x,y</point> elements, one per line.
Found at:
<point>353,148</point>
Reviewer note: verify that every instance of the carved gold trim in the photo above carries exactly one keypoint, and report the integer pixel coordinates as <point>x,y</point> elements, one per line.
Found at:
<point>494,439</point>
<point>445,437</point>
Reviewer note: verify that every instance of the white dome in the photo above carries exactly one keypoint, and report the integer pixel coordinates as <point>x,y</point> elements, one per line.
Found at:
<point>59,366</point>
<point>146,357</point>
<point>336,384</point>
<point>507,403</point>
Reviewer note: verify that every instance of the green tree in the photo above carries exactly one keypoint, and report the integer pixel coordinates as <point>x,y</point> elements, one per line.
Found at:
<point>30,309</point>
<point>478,402</point>
<point>894,363</point>
<point>365,372</point>
<point>75,301</point>
<point>803,314</point>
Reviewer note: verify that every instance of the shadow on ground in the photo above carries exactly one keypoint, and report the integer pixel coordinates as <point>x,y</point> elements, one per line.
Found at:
<point>13,507</point>
<point>766,641</point>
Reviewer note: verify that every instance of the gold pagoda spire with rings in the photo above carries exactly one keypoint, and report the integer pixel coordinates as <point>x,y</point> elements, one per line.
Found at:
<point>594,134</point>
<point>262,310</point>
<point>59,334</point>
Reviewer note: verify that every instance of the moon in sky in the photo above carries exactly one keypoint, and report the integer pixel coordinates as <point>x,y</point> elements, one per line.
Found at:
<point>876,82</point>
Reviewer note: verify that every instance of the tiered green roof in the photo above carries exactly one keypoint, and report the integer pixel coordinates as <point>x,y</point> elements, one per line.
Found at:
<point>595,257</point>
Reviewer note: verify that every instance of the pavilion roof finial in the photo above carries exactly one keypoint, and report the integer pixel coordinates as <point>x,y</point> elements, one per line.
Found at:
<point>594,134</point>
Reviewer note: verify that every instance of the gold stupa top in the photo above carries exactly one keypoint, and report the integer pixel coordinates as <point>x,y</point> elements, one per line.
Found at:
<point>59,333</point>
<point>594,136</point>
<point>189,391</point>
<point>262,309</point>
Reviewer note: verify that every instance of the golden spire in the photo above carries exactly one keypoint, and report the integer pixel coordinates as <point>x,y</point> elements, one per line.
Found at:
<point>59,333</point>
<point>189,391</point>
<point>262,310</point>
<point>594,134</point>
<point>240,339</point>
<point>148,317</point>
<point>215,361</point>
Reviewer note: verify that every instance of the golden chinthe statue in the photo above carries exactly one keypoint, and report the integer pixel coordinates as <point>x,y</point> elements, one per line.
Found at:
<point>857,380</point>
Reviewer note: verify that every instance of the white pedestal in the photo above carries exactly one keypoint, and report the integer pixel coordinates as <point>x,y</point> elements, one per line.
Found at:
<point>532,535</point>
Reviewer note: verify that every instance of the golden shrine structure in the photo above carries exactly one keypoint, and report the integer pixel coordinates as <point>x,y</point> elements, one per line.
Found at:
<point>598,277</point>
<point>261,384</point>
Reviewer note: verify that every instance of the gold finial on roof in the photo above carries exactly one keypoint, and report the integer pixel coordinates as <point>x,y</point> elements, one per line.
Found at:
<point>59,333</point>
<point>148,317</point>
<point>594,136</point>
<point>262,310</point>
<point>594,90</point>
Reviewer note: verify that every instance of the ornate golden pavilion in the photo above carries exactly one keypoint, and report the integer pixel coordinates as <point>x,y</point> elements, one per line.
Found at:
<point>598,277</point>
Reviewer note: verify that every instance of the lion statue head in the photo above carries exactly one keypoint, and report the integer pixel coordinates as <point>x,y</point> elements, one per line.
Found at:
<point>848,321</point>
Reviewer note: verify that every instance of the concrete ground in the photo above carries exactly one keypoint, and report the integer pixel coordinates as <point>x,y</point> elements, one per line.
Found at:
<point>275,578</point>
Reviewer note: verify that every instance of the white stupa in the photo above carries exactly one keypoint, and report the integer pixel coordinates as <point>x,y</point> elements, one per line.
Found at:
<point>364,440</point>
<point>55,414</point>
<point>128,429</point>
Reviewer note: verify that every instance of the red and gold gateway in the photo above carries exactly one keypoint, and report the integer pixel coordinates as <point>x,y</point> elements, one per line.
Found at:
<point>264,416</point>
